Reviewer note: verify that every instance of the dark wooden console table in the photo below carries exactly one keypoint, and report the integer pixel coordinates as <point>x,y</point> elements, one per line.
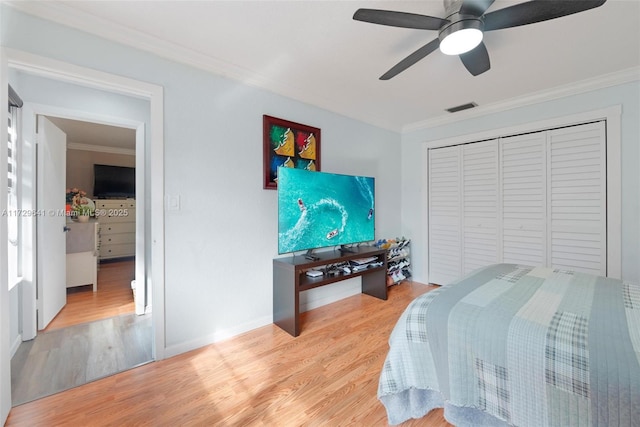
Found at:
<point>290,278</point>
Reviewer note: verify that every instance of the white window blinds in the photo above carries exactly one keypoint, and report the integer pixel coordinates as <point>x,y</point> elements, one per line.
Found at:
<point>12,198</point>
<point>12,214</point>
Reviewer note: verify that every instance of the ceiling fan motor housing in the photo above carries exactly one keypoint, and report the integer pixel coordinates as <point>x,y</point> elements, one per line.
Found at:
<point>462,34</point>
<point>457,21</point>
<point>451,6</point>
<point>460,22</point>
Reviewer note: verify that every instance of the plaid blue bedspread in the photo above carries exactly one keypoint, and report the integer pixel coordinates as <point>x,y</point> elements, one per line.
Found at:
<point>517,345</point>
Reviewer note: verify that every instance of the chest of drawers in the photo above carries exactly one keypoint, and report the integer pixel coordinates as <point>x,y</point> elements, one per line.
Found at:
<point>117,218</point>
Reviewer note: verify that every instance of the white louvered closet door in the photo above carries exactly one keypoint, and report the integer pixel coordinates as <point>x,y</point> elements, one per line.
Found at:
<point>444,215</point>
<point>524,199</point>
<point>536,199</point>
<point>480,207</point>
<point>576,186</point>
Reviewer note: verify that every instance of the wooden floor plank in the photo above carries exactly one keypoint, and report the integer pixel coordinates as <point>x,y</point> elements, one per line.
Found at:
<point>95,334</point>
<point>113,298</point>
<point>63,358</point>
<point>327,376</point>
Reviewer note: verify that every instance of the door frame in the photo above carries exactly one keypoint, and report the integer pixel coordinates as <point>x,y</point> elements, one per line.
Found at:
<point>30,113</point>
<point>153,243</point>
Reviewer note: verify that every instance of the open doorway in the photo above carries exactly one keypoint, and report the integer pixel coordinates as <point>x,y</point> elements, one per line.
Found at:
<point>100,165</point>
<point>97,332</point>
<point>150,210</point>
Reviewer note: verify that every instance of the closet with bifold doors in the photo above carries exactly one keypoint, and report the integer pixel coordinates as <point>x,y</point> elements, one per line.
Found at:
<point>536,199</point>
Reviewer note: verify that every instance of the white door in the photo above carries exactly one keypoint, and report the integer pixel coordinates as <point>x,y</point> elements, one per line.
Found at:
<point>480,205</point>
<point>51,238</point>
<point>524,198</point>
<point>577,199</point>
<point>445,264</point>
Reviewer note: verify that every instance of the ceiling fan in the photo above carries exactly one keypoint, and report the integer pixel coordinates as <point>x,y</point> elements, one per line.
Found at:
<point>461,31</point>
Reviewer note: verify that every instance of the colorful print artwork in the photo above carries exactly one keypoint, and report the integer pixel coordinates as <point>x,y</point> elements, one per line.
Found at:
<point>288,144</point>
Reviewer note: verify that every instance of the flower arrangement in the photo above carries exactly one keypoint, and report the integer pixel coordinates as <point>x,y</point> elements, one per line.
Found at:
<point>81,205</point>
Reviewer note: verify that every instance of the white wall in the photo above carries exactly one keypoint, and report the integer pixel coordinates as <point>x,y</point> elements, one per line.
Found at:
<point>414,209</point>
<point>220,244</point>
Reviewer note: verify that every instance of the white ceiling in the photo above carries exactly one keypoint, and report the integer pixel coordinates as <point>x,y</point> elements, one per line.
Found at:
<point>315,52</point>
<point>95,136</point>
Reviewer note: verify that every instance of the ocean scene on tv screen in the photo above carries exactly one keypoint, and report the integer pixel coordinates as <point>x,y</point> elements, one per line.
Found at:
<point>318,209</point>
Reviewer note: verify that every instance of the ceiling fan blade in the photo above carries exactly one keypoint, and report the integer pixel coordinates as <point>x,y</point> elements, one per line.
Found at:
<point>475,7</point>
<point>411,59</point>
<point>535,11</point>
<point>476,60</point>
<point>399,19</point>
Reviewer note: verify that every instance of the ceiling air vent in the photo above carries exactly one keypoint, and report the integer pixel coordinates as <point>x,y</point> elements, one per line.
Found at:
<point>462,107</point>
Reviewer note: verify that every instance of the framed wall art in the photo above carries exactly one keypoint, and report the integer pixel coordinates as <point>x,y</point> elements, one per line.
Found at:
<point>288,144</point>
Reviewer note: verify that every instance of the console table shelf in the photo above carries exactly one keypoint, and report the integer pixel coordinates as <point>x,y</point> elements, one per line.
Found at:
<point>289,279</point>
<point>307,283</point>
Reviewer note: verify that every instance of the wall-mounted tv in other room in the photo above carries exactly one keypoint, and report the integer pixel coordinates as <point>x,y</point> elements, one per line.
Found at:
<point>319,209</point>
<point>114,182</point>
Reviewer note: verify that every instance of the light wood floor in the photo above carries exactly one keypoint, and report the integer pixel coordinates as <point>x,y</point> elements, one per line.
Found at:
<point>114,297</point>
<point>328,376</point>
<point>63,358</point>
<point>96,334</point>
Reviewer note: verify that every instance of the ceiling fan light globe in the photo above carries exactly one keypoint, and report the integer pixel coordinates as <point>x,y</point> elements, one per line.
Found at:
<point>461,41</point>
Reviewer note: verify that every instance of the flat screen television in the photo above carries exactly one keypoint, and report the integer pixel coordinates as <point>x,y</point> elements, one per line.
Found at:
<point>319,209</point>
<point>114,182</point>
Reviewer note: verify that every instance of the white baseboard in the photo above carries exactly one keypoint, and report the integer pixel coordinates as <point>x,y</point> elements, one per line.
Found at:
<point>15,345</point>
<point>323,296</point>
<point>174,350</point>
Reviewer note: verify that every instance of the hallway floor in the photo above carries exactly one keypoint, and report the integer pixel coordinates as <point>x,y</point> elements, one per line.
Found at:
<point>95,335</point>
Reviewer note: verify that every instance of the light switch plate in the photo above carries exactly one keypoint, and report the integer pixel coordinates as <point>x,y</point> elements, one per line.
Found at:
<point>173,202</point>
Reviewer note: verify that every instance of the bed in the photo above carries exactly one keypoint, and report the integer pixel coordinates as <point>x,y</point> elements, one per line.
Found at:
<point>518,345</point>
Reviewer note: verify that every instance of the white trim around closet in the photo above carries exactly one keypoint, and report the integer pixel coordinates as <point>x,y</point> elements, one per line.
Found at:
<point>614,178</point>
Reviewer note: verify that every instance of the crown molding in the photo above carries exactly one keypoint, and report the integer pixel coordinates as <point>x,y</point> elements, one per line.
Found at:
<point>91,24</point>
<point>587,85</point>
<point>100,148</point>
<point>71,17</point>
